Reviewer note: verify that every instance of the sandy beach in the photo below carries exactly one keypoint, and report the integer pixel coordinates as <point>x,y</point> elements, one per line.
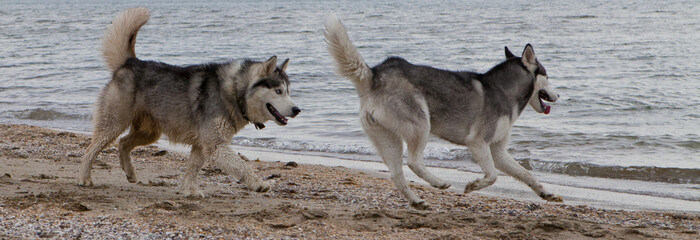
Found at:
<point>39,198</point>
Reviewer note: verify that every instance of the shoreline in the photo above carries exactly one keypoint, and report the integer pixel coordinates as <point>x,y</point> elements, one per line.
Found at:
<point>505,186</point>
<point>348,200</point>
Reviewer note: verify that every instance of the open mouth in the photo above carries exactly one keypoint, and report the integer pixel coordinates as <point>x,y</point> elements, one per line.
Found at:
<point>544,96</point>
<point>280,119</point>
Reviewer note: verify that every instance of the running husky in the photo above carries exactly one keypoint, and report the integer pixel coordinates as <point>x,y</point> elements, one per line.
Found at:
<point>401,102</point>
<point>199,105</point>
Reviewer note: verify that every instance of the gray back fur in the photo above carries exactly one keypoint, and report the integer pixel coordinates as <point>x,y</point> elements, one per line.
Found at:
<point>214,91</point>
<point>458,100</point>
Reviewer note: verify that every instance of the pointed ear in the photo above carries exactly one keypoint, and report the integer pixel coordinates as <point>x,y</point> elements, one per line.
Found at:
<point>509,54</point>
<point>529,59</point>
<point>284,65</point>
<point>270,65</point>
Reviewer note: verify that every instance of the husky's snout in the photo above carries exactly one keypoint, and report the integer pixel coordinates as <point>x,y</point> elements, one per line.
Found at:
<point>281,118</point>
<point>543,95</point>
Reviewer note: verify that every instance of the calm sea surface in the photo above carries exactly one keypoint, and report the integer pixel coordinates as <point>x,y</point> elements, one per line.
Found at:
<point>628,74</point>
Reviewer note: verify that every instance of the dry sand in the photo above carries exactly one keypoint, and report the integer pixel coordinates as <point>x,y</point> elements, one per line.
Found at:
<point>39,198</point>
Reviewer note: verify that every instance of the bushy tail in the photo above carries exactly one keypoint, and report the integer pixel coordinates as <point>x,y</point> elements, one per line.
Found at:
<point>120,37</point>
<point>349,62</point>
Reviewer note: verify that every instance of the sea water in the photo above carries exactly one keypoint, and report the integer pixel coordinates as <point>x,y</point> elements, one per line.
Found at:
<point>628,119</point>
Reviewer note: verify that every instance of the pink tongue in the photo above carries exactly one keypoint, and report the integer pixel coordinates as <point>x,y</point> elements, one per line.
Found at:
<point>546,107</point>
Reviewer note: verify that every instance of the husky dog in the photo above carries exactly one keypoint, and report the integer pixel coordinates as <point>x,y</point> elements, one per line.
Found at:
<point>402,102</point>
<point>198,105</point>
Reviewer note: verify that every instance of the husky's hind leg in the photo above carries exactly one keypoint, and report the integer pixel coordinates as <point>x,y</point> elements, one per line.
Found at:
<point>415,145</point>
<point>481,154</point>
<point>143,131</point>
<point>111,117</point>
<point>507,164</point>
<point>100,139</point>
<point>390,149</point>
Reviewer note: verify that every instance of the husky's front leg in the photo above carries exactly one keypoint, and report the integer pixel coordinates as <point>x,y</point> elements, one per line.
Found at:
<point>189,182</point>
<point>233,165</point>
<point>508,165</point>
<point>482,155</point>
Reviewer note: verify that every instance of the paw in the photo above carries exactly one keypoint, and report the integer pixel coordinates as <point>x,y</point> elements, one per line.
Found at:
<point>130,175</point>
<point>551,197</point>
<point>479,184</point>
<point>190,188</point>
<point>470,187</point>
<point>132,178</point>
<point>420,205</point>
<point>193,192</point>
<point>85,182</point>
<point>442,186</point>
<point>259,186</point>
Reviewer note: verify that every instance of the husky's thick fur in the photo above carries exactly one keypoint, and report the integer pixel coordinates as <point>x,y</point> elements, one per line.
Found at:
<point>199,105</point>
<point>401,102</point>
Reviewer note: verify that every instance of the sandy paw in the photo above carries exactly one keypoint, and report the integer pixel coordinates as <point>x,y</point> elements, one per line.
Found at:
<point>259,186</point>
<point>422,205</point>
<point>131,179</point>
<point>85,182</point>
<point>191,189</point>
<point>470,187</point>
<point>193,192</point>
<point>552,198</point>
<point>443,186</point>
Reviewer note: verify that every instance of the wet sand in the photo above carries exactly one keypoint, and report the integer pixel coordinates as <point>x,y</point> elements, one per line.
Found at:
<point>39,198</point>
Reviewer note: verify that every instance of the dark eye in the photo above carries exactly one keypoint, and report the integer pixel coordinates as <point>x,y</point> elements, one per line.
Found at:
<point>278,91</point>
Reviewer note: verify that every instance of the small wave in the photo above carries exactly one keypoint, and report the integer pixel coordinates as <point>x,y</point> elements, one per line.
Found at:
<point>643,173</point>
<point>604,142</point>
<point>646,107</point>
<point>301,146</point>
<point>285,32</point>
<point>660,11</point>
<point>656,144</point>
<point>431,152</point>
<point>690,144</point>
<point>637,108</point>
<point>580,17</point>
<point>213,25</point>
<point>622,136</point>
<point>667,76</point>
<point>42,76</point>
<point>45,115</point>
<point>638,58</point>
<point>10,66</point>
<point>45,21</point>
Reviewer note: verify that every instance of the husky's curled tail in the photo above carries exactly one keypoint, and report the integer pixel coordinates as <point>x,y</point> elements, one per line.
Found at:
<point>348,60</point>
<point>118,42</point>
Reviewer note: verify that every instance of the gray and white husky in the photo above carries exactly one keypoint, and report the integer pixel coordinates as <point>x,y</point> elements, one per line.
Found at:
<point>198,105</point>
<point>402,102</point>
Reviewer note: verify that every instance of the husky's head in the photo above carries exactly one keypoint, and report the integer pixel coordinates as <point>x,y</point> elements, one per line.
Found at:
<point>542,91</point>
<point>267,97</point>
